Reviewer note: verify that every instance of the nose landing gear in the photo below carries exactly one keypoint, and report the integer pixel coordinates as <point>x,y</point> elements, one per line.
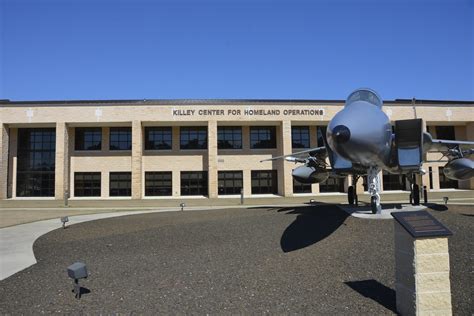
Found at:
<point>373,182</point>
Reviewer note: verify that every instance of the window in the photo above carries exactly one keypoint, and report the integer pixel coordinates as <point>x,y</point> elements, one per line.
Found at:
<point>193,182</point>
<point>158,184</point>
<point>445,132</point>
<point>87,184</point>
<point>193,137</point>
<point>158,138</point>
<point>300,136</point>
<point>230,182</point>
<point>321,134</point>
<point>36,162</point>
<point>445,182</point>
<point>332,185</point>
<point>263,137</point>
<point>393,181</point>
<point>264,182</point>
<point>120,184</point>
<point>299,187</point>
<point>120,138</point>
<point>229,137</point>
<point>88,138</point>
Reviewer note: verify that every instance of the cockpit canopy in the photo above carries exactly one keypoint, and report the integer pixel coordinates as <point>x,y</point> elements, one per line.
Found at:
<point>365,95</point>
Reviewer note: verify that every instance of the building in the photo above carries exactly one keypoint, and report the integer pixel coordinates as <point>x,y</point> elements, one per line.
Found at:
<point>143,149</point>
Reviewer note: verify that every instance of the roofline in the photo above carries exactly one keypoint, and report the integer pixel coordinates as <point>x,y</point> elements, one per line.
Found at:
<point>7,102</point>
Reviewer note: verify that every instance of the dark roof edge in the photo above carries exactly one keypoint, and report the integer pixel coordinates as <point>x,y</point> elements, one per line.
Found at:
<point>211,102</point>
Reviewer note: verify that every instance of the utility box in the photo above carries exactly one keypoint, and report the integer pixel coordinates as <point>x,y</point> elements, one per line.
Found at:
<point>421,264</point>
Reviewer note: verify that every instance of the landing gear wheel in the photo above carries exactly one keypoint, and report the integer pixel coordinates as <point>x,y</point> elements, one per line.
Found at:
<point>373,204</point>
<point>350,195</point>
<point>416,194</point>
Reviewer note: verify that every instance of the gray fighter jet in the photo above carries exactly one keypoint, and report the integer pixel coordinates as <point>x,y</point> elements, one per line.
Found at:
<point>360,141</point>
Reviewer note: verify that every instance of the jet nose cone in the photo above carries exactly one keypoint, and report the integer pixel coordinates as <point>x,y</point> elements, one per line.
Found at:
<point>341,134</point>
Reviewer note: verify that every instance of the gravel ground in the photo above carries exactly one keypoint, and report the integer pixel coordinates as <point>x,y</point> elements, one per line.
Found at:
<point>306,260</point>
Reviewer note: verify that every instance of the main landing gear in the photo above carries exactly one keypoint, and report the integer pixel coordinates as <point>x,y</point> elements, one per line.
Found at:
<point>415,191</point>
<point>352,197</point>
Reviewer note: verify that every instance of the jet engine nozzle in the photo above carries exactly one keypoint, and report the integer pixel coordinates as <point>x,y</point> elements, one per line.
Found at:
<point>341,134</point>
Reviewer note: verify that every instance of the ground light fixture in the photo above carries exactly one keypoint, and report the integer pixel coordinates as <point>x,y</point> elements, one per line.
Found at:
<point>64,220</point>
<point>182,206</point>
<point>77,271</point>
<point>445,199</point>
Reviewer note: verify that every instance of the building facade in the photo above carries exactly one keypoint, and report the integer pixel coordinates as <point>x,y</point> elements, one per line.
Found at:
<point>174,148</point>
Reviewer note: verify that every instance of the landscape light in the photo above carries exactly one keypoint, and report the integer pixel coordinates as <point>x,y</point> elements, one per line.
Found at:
<point>77,271</point>
<point>445,199</point>
<point>64,220</point>
<point>182,206</point>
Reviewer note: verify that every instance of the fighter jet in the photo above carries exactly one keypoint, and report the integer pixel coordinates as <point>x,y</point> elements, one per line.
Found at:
<point>360,141</point>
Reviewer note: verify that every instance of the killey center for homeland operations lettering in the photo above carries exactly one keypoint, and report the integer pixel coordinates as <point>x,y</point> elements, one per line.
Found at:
<point>247,112</point>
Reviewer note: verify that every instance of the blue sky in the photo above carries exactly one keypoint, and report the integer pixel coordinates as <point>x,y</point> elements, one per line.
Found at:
<point>104,49</point>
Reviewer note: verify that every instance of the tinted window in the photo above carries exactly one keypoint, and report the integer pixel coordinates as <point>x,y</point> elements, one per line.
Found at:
<point>120,138</point>
<point>445,182</point>
<point>193,182</point>
<point>229,137</point>
<point>88,138</point>
<point>230,182</point>
<point>393,181</point>
<point>158,184</point>
<point>264,182</point>
<point>299,187</point>
<point>36,162</point>
<point>321,134</point>
<point>158,138</point>
<point>120,184</point>
<point>300,137</point>
<point>332,185</point>
<point>263,137</point>
<point>445,132</point>
<point>87,184</point>
<point>193,138</point>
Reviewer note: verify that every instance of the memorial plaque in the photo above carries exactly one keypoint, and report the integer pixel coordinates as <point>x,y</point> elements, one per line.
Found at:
<point>421,224</point>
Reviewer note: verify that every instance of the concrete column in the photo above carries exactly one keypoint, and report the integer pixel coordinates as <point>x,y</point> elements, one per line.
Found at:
<point>285,180</point>
<point>468,184</point>
<point>422,274</point>
<point>212,158</point>
<point>105,184</point>
<point>137,153</point>
<point>61,181</point>
<point>13,161</point>
<point>4,144</point>
<point>176,182</point>
<point>247,182</point>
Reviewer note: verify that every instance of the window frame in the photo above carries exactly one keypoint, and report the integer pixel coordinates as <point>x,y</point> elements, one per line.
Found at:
<point>121,131</point>
<point>80,141</point>
<point>91,187</point>
<point>228,134</point>
<point>229,176</point>
<point>298,131</point>
<point>156,189</point>
<point>202,142</point>
<point>301,188</point>
<point>166,133</point>
<point>119,192</point>
<point>36,162</point>
<point>258,190</point>
<point>193,188</point>
<point>255,134</point>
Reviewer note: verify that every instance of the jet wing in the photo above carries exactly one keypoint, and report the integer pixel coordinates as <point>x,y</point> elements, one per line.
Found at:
<point>317,151</point>
<point>454,148</point>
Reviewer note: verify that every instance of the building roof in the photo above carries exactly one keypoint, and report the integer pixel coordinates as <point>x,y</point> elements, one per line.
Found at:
<point>6,102</point>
